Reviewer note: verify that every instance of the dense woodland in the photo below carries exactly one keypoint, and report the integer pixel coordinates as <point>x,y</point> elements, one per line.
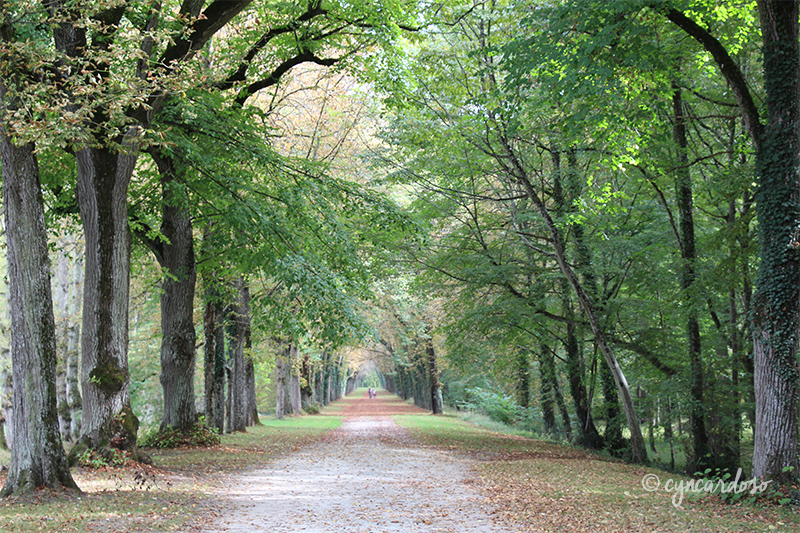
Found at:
<point>578,216</point>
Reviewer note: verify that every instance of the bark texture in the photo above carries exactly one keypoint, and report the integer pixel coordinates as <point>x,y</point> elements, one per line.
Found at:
<point>777,300</point>
<point>38,458</point>
<point>103,178</point>
<point>176,257</point>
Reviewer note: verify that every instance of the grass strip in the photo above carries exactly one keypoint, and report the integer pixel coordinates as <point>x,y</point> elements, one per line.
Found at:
<point>178,494</point>
<point>546,487</point>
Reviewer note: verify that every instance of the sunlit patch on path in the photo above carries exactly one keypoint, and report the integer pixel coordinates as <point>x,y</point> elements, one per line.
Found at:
<point>367,476</point>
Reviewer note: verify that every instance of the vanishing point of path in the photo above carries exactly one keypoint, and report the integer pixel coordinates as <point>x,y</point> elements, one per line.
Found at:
<point>368,476</point>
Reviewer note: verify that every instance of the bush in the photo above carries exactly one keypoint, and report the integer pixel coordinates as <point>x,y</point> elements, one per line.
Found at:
<point>89,458</point>
<point>200,435</point>
<point>311,408</point>
<point>499,407</point>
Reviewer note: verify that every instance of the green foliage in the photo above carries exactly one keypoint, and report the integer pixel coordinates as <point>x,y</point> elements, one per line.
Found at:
<point>312,408</point>
<point>200,435</point>
<point>90,458</point>
<point>497,406</point>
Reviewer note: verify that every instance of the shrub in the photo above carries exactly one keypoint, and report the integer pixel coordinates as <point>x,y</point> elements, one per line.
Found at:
<point>200,435</point>
<point>311,408</point>
<point>499,407</point>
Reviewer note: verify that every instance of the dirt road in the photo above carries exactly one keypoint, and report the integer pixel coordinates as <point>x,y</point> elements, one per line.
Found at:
<point>369,476</point>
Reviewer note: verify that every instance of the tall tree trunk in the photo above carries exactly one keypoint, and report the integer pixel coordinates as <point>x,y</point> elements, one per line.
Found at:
<point>433,374</point>
<point>241,317</point>
<point>73,376</point>
<point>546,390</point>
<point>777,301</point>
<point>176,256</point>
<point>214,356</point>
<point>280,386</point>
<point>523,383</point>
<point>38,458</point>
<point>587,432</point>
<point>294,379</point>
<point>6,395</point>
<point>307,391</point>
<point>250,382</point>
<point>103,178</point>
<point>683,186</point>
<point>62,317</point>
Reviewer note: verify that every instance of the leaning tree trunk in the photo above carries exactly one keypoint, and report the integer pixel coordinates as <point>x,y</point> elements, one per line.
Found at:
<point>38,458</point>
<point>777,302</point>
<point>103,178</point>
<point>638,448</point>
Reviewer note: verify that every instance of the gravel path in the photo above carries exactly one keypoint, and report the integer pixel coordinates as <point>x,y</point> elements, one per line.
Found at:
<point>369,476</point>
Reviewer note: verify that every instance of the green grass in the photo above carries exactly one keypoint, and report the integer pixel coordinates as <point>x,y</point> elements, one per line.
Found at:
<point>176,493</point>
<point>547,486</point>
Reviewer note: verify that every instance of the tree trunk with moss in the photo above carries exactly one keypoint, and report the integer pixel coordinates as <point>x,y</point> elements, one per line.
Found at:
<point>176,256</point>
<point>108,420</point>
<point>38,458</point>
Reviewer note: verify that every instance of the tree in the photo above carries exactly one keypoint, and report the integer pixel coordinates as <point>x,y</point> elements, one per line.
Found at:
<point>38,458</point>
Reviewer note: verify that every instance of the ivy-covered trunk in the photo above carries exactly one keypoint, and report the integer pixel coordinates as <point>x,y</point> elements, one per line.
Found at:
<point>103,178</point>
<point>38,458</point>
<point>776,306</point>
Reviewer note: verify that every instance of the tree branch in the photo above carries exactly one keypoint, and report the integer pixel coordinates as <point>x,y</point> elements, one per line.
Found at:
<point>730,70</point>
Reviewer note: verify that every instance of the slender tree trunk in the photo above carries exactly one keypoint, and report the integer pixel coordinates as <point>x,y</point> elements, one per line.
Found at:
<point>546,389</point>
<point>777,301</point>
<point>280,387</point>
<point>523,384</point>
<point>562,408</point>
<point>6,394</point>
<point>73,376</point>
<point>683,186</point>
<point>214,357</point>
<point>61,311</point>
<point>38,458</point>
<point>294,379</point>
<point>252,404</point>
<point>307,391</point>
<point>241,317</point>
<point>587,432</point>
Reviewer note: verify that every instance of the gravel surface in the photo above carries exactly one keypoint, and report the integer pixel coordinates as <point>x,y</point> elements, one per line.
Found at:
<point>368,476</point>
